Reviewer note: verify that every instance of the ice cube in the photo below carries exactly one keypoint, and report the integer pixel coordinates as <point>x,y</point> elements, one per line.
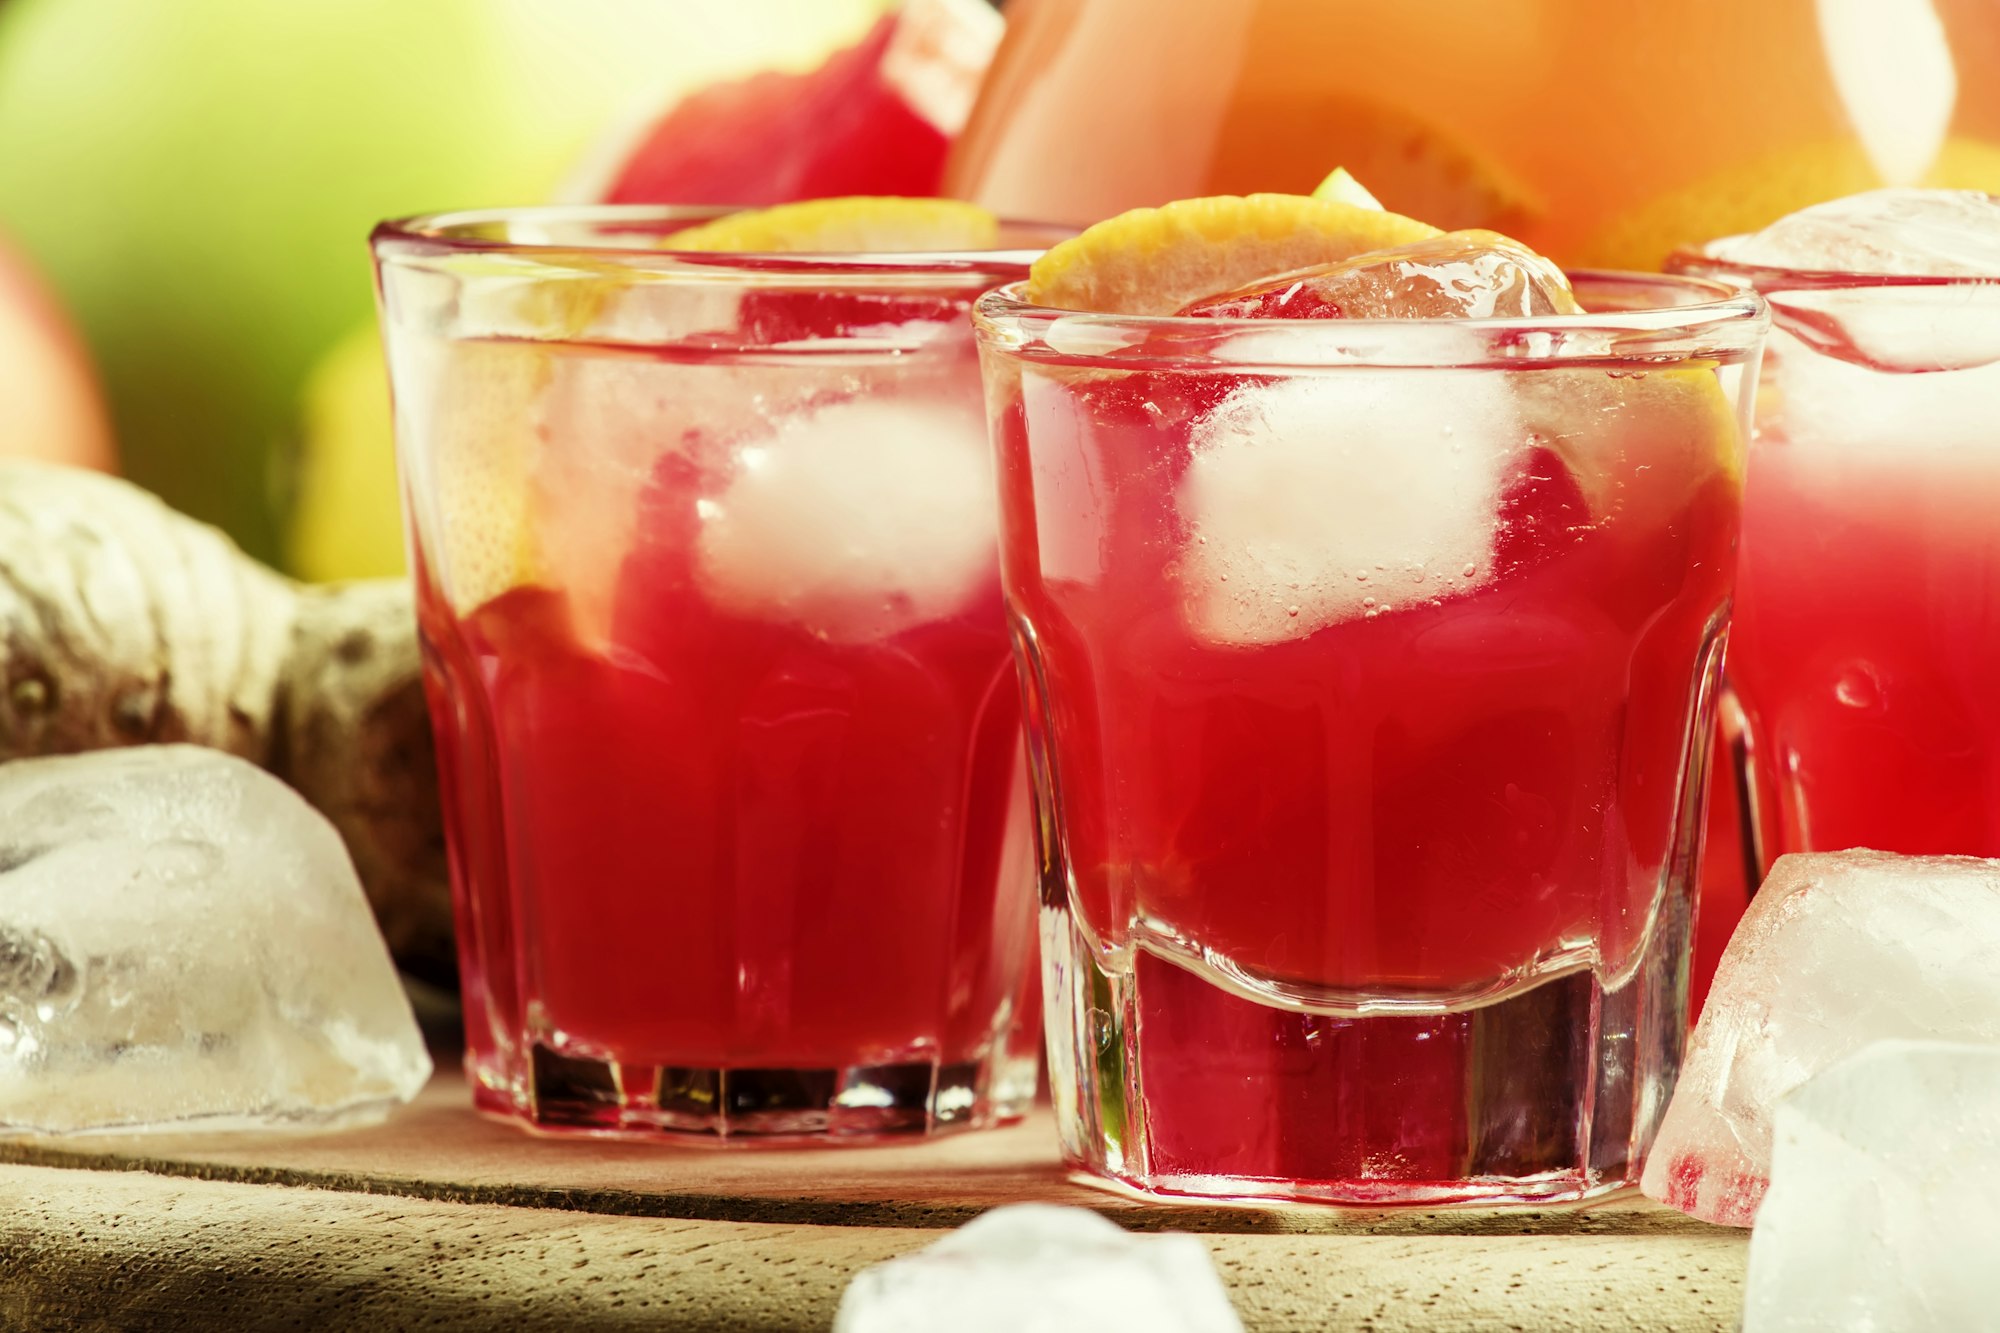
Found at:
<point>1459,275</point>
<point>1885,1195</point>
<point>1033,1266</point>
<point>1838,949</point>
<point>183,939</point>
<point>856,520</point>
<point>1942,233</point>
<point>1329,497</point>
<point>1858,404</point>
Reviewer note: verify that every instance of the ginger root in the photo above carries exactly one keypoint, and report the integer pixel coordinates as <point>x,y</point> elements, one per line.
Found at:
<point>125,623</point>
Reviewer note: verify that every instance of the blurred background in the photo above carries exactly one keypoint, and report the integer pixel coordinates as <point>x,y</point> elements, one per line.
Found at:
<point>186,188</point>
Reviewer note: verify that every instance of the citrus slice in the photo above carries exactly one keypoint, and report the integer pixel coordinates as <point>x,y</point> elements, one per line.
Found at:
<point>1154,261</point>
<point>1759,192</point>
<point>1637,444</point>
<point>1341,187</point>
<point>476,416</point>
<point>857,223</point>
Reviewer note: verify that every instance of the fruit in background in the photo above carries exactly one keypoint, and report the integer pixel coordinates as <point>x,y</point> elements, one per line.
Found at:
<point>348,524</point>
<point>875,118</point>
<point>53,412</point>
<point>196,180</point>
<point>1596,133</point>
<point>1750,197</point>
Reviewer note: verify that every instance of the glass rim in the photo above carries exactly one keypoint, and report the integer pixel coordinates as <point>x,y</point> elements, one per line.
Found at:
<point>1725,320</point>
<point>454,234</point>
<point>1696,261</point>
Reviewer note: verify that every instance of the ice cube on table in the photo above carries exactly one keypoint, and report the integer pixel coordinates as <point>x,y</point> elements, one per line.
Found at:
<point>1838,950</point>
<point>1340,495</point>
<point>1459,275</point>
<point>855,520</point>
<point>1885,1196</point>
<point>1032,1267</point>
<point>1941,233</point>
<point>184,943</point>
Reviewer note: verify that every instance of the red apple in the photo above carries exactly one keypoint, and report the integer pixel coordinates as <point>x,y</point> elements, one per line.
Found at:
<point>53,408</point>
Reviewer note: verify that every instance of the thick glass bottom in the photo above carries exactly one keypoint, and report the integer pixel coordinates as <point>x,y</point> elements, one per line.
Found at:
<point>1167,1083</point>
<point>565,1095</point>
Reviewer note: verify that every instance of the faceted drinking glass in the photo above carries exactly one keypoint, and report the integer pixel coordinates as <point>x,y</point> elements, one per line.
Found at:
<point>1369,671</point>
<point>1868,616</point>
<point>720,680</point>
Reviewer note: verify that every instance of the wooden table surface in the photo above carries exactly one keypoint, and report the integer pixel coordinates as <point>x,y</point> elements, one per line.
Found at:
<point>441,1220</point>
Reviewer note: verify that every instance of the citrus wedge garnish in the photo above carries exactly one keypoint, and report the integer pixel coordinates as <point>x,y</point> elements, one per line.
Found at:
<point>478,414</point>
<point>1154,261</point>
<point>1341,187</point>
<point>1637,444</point>
<point>853,224</point>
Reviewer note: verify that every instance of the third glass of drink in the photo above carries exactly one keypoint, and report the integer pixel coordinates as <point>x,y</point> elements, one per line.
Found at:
<point>1370,618</point>
<point>726,717</point>
<point>1868,619</point>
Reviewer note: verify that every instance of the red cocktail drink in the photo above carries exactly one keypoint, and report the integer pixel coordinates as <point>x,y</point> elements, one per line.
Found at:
<point>1868,613</point>
<point>1370,668</point>
<point>724,699</point>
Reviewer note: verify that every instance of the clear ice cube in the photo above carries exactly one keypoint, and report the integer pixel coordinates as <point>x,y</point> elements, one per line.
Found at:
<point>1885,1195</point>
<point>1459,275</point>
<point>183,942</point>
<point>855,520</point>
<point>1038,1266</point>
<point>1332,497</point>
<point>1838,950</point>
<point>1940,233</point>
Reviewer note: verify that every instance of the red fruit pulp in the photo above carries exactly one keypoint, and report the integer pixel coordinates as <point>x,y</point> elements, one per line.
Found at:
<point>877,117</point>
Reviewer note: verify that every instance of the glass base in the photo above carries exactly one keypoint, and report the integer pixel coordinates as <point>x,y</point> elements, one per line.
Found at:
<point>565,1095</point>
<point>1167,1083</point>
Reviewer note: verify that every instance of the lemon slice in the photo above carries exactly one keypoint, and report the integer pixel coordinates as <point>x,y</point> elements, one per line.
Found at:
<point>857,223</point>
<point>1341,187</point>
<point>480,425</point>
<point>1637,444</point>
<point>1153,261</point>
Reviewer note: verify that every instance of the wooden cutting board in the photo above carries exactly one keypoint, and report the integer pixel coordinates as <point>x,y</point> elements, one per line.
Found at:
<point>440,1219</point>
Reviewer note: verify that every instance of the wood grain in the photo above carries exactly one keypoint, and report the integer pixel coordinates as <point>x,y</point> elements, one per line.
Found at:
<point>87,1249</point>
<point>438,1148</point>
<point>439,1219</point>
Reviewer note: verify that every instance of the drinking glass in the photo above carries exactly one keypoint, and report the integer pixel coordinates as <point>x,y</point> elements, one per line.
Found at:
<point>1369,671</point>
<point>1868,614</point>
<point>720,680</point>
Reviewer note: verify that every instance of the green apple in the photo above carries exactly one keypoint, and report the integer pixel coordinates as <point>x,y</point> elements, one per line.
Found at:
<point>197,178</point>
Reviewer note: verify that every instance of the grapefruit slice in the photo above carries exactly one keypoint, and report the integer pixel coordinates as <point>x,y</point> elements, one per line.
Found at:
<point>874,117</point>
<point>1154,261</point>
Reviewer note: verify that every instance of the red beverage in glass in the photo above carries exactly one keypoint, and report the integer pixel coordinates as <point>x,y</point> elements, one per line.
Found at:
<point>1369,683</point>
<point>725,705</point>
<point>1868,617</point>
